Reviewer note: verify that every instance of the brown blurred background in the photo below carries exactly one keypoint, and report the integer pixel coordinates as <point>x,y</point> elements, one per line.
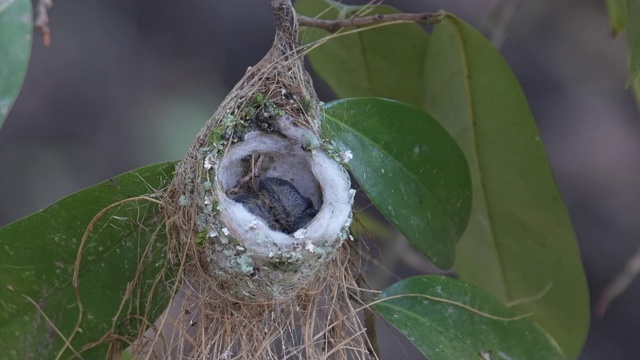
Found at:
<point>126,83</point>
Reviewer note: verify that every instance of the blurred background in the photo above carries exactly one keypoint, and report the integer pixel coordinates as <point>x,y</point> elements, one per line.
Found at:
<point>127,83</point>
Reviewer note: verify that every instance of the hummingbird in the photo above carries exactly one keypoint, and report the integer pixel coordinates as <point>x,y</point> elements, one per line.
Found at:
<point>279,203</point>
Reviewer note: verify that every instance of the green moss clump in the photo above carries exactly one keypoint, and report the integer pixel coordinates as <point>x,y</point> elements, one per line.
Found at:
<point>215,135</point>
<point>274,109</point>
<point>201,238</point>
<point>260,98</point>
<point>306,104</point>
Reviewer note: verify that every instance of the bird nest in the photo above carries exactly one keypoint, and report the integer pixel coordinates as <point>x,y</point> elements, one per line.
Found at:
<point>258,218</point>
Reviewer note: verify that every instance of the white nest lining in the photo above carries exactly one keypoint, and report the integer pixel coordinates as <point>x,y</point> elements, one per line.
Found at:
<point>300,167</point>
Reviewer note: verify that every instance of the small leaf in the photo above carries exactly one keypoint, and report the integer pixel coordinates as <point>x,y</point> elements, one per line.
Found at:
<point>633,38</point>
<point>39,304</point>
<point>617,16</point>
<point>448,319</point>
<point>15,47</point>
<point>409,166</point>
<point>372,61</point>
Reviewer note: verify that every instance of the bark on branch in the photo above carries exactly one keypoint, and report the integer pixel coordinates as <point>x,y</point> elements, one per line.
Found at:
<point>335,25</point>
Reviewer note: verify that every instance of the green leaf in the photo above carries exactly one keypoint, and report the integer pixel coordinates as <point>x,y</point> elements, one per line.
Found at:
<point>636,90</point>
<point>448,319</point>
<point>38,304</point>
<point>520,241</point>
<point>409,166</point>
<point>15,47</point>
<point>617,16</point>
<point>633,38</point>
<point>127,355</point>
<point>372,61</point>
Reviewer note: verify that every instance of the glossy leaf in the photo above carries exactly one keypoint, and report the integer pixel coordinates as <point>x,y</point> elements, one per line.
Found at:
<point>15,47</point>
<point>372,61</point>
<point>633,38</point>
<point>448,319</point>
<point>409,166</point>
<point>617,15</point>
<point>519,245</point>
<point>38,305</point>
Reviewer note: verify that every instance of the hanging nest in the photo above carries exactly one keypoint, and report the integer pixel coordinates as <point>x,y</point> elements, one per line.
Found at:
<point>258,214</point>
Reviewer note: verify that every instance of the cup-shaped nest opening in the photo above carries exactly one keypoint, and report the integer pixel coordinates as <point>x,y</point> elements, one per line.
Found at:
<point>277,190</point>
<point>271,175</point>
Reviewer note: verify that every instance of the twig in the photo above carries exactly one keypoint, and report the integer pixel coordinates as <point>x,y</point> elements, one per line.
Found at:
<point>335,25</point>
<point>619,284</point>
<point>42,20</point>
<point>254,173</point>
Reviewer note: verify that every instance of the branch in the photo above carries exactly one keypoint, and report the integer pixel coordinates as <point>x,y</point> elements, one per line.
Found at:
<point>42,20</point>
<point>286,25</point>
<point>335,25</point>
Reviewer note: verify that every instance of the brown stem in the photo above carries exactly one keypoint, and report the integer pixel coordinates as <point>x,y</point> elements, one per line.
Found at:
<point>254,173</point>
<point>286,25</point>
<point>335,25</point>
<point>41,21</point>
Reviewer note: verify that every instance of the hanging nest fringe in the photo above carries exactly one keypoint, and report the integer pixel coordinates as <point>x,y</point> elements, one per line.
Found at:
<point>258,213</point>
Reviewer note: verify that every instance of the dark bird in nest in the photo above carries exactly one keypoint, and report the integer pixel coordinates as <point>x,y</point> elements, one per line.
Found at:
<point>279,203</point>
